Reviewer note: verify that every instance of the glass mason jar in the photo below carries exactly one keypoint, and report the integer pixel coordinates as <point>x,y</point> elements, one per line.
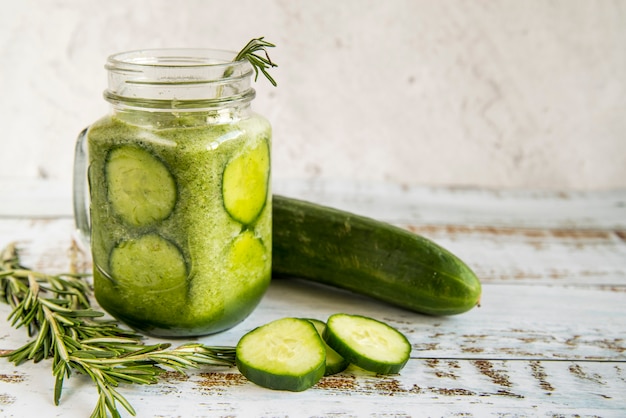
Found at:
<point>178,191</point>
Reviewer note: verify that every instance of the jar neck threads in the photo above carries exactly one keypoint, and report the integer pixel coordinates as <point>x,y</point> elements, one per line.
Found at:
<point>179,80</point>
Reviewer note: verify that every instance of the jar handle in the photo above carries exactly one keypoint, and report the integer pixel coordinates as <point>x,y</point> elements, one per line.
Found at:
<point>81,188</point>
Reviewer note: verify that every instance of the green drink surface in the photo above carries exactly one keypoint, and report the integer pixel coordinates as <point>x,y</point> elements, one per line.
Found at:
<point>176,252</point>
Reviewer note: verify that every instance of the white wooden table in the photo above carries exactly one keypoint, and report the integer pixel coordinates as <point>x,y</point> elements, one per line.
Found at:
<point>548,340</point>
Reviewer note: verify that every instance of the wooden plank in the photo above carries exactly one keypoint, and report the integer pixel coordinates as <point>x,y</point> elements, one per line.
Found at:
<point>403,204</point>
<point>43,242</point>
<point>442,388</point>
<point>35,198</point>
<point>535,255</point>
<point>424,388</point>
<point>513,322</point>
<point>390,202</point>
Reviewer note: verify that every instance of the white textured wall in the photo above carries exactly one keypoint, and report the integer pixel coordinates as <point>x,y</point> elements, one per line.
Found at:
<point>479,93</point>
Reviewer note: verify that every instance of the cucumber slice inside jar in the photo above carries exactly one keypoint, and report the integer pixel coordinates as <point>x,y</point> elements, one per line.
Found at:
<point>246,250</point>
<point>286,354</point>
<point>149,262</point>
<point>246,254</point>
<point>335,363</point>
<point>150,276</point>
<point>368,343</point>
<point>140,188</point>
<point>236,286</point>
<point>245,183</point>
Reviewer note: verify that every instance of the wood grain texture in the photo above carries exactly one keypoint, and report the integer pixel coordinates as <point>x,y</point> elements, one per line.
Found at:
<point>547,340</point>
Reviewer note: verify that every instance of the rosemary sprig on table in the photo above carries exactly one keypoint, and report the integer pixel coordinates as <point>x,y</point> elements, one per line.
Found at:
<point>57,313</point>
<point>260,63</point>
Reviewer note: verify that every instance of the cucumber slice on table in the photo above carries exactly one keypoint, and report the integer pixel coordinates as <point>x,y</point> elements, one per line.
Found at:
<point>140,188</point>
<point>245,183</point>
<point>286,354</point>
<point>335,363</point>
<point>368,343</point>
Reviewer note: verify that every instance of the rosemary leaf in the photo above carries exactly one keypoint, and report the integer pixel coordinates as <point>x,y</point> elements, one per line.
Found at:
<point>260,63</point>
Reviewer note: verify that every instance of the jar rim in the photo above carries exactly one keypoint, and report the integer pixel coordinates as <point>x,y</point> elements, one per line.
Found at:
<point>173,58</point>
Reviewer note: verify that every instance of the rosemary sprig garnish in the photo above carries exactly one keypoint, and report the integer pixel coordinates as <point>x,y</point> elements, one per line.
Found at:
<point>57,313</point>
<point>260,63</point>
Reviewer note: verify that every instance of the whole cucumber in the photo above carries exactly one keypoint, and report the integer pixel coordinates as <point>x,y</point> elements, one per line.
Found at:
<point>369,257</point>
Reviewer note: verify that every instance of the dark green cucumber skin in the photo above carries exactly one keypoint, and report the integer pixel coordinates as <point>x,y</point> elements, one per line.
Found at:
<point>369,257</point>
<point>289,383</point>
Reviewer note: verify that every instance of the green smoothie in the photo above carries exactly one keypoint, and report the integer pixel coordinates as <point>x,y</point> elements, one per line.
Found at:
<point>180,219</point>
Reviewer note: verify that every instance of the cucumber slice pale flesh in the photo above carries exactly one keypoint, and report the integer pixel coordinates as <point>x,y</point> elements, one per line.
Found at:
<point>245,183</point>
<point>140,188</point>
<point>367,343</point>
<point>335,363</point>
<point>285,354</point>
<point>149,262</point>
<point>247,253</point>
<point>150,278</point>
<point>248,263</point>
